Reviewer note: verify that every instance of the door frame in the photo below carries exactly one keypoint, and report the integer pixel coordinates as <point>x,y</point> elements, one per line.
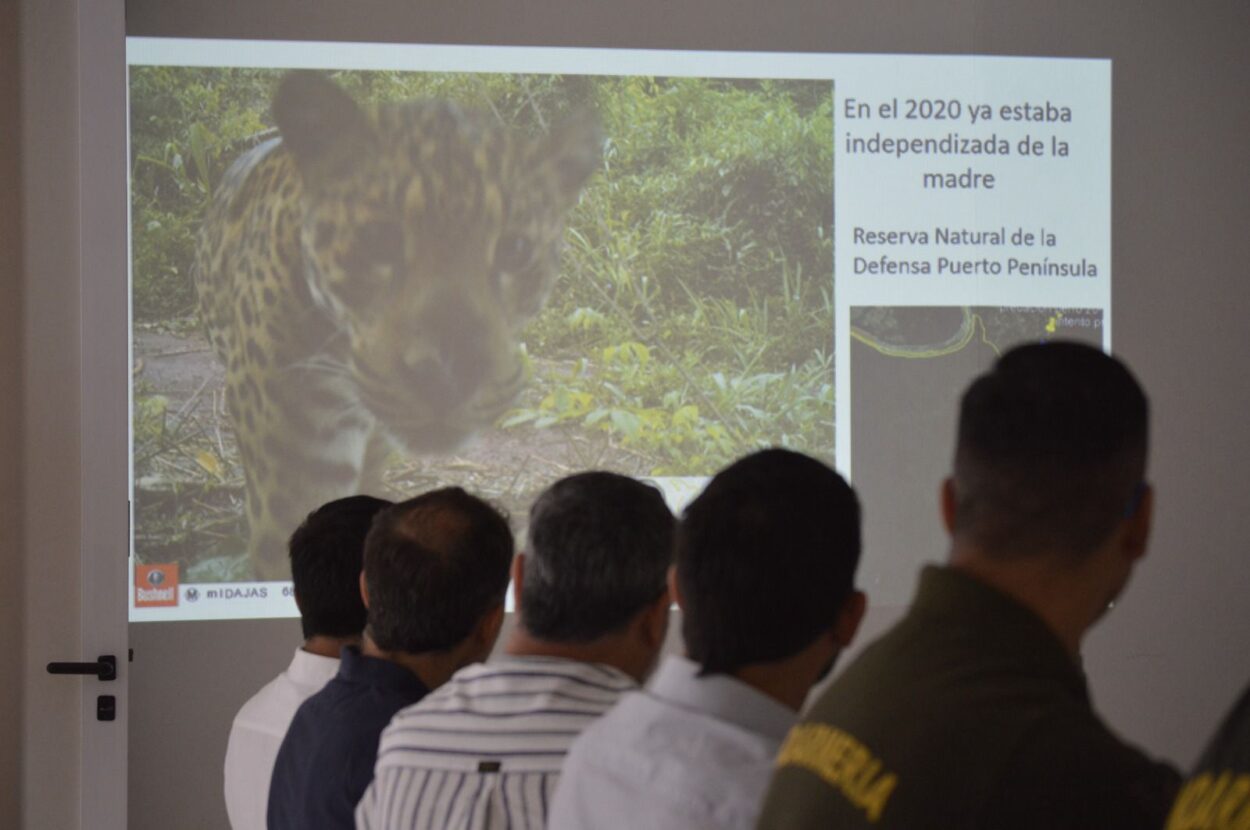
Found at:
<point>75,365</point>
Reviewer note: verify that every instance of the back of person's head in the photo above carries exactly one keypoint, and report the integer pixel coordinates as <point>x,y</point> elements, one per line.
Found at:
<point>600,545</point>
<point>1051,452</point>
<point>435,565</point>
<point>327,551</point>
<point>766,558</point>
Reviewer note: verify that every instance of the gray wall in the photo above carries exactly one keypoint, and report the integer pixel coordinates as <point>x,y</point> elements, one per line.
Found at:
<point>1163,667</point>
<point>1169,660</point>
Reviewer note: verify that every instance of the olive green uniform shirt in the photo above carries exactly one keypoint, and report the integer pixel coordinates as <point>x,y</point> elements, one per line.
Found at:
<point>967,715</point>
<point>1217,797</point>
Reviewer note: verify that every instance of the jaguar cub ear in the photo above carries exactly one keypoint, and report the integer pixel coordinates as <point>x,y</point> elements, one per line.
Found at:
<point>574,150</point>
<point>320,123</point>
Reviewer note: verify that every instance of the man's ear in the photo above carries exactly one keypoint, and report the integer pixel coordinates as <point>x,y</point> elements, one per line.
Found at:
<point>518,578</point>
<point>948,502</point>
<point>673,589</point>
<point>1137,526</point>
<point>654,622</point>
<point>488,627</point>
<point>849,618</point>
<point>364,590</point>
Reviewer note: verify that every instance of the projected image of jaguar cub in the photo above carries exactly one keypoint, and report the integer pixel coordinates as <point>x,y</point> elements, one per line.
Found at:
<point>364,277</point>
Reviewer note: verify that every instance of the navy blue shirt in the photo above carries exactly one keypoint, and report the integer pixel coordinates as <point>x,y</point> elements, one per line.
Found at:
<point>327,757</point>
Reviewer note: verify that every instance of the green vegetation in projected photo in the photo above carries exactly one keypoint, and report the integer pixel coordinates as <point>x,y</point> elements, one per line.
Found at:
<point>658,312</point>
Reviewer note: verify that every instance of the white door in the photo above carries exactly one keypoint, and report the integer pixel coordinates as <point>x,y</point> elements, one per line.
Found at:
<point>75,361</point>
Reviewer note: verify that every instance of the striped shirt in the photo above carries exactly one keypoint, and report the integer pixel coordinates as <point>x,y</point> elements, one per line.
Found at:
<point>484,751</point>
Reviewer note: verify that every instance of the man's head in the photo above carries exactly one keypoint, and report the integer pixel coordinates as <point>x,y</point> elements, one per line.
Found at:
<point>766,560</point>
<point>435,567</point>
<point>326,554</point>
<point>600,545</point>
<point>1051,453</point>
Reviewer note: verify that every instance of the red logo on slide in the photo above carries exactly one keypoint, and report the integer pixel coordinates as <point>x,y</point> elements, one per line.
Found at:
<point>156,585</point>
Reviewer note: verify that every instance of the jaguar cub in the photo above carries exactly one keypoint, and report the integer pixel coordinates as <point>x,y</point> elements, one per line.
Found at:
<point>364,277</point>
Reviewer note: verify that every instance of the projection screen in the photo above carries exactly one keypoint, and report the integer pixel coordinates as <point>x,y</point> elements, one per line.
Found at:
<point>493,266</point>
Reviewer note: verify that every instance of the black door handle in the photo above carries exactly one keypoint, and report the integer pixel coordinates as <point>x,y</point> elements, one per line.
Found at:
<point>104,668</point>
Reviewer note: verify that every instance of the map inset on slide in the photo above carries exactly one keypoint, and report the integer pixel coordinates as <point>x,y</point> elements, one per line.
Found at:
<point>909,367</point>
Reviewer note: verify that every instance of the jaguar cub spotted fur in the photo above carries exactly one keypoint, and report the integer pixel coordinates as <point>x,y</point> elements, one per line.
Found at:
<point>364,277</point>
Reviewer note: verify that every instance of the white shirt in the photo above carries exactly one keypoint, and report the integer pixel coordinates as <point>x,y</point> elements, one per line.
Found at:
<point>258,730</point>
<point>484,750</point>
<point>688,752</point>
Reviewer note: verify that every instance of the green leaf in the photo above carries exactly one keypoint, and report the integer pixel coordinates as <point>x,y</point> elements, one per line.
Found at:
<point>626,422</point>
<point>524,416</point>
<point>686,416</point>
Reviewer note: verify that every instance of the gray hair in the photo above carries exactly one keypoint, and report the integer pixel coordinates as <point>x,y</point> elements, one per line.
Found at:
<point>600,545</point>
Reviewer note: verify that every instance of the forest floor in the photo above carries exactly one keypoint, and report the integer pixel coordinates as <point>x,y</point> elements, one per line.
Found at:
<point>192,511</point>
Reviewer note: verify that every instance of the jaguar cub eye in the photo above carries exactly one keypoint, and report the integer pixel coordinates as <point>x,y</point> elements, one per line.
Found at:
<point>376,243</point>
<point>513,253</point>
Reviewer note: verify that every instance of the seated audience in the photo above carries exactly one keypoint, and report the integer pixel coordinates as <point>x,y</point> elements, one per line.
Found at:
<point>485,750</point>
<point>435,574</point>
<point>973,712</point>
<point>1217,795</point>
<point>326,552</point>
<point>765,563</point>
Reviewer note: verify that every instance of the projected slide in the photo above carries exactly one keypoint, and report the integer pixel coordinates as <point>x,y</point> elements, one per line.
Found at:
<point>384,269</point>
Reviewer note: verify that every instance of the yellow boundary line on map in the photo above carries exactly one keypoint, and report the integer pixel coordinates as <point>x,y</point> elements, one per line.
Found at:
<point>957,342</point>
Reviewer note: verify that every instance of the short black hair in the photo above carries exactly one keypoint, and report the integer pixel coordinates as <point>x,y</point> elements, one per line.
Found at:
<point>600,545</point>
<point>434,566</point>
<point>1051,451</point>
<point>766,559</point>
<point>326,552</point>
